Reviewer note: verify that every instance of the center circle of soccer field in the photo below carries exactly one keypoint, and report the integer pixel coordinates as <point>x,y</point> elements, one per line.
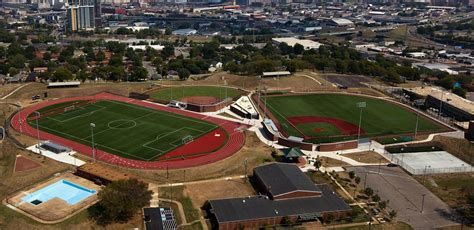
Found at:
<point>122,124</point>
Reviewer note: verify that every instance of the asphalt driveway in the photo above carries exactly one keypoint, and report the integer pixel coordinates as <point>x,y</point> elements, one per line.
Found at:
<point>405,195</point>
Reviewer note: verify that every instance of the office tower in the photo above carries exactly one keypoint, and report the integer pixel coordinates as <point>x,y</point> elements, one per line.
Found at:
<point>80,15</point>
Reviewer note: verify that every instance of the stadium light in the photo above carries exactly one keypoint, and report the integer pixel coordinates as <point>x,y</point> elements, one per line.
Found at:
<point>416,125</point>
<point>19,118</point>
<point>360,105</point>
<point>93,145</point>
<point>37,130</point>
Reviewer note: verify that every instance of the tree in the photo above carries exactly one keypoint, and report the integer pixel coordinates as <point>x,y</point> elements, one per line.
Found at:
<point>298,48</point>
<point>100,57</point>
<point>183,74</point>
<point>119,201</point>
<point>357,180</point>
<point>376,198</point>
<point>352,174</point>
<point>382,204</point>
<point>392,214</point>
<point>62,74</point>
<point>317,163</point>
<point>369,191</point>
<point>139,73</point>
<point>460,92</point>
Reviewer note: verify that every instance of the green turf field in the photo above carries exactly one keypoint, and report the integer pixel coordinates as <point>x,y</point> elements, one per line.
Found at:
<point>123,129</point>
<point>175,93</point>
<point>378,118</point>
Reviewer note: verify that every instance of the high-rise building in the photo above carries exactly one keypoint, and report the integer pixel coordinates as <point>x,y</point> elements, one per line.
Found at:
<point>80,15</point>
<point>97,13</point>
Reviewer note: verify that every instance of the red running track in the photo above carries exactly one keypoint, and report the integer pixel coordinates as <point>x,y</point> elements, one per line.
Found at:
<point>199,149</point>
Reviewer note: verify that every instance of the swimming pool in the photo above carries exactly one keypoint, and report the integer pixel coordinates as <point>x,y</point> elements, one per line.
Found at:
<point>62,189</point>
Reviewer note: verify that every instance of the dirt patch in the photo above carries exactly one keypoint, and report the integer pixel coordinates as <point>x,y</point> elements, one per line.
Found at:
<point>331,162</point>
<point>24,164</point>
<point>367,157</point>
<point>200,100</point>
<point>202,192</point>
<point>345,127</point>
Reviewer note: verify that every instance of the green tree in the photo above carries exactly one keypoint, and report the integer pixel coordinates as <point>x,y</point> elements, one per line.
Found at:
<point>119,201</point>
<point>392,214</point>
<point>183,74</point>
<point>369,191</point>
<point>376,198</point>
<point>298,48</point>
<point>352,174</point>
<point>139,73</point>
<point>62,74</point>
<point>357,180</point>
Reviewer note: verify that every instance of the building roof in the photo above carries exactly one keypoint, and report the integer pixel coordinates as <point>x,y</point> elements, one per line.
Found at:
<point>159,219</point>
<point>446,97</point>
<point>291,41</point>
<point>281,178</point>
<point>259,207</point>
<point>342,21</point>
<point>292,152</point>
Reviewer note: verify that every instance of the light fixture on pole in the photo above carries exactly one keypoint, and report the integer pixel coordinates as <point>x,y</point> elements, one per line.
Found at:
<point>93,145</point>
<point>360,105</point>
<point>37,130</point>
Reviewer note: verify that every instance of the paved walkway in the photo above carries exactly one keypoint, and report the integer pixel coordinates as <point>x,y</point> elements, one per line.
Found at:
<point>14,91</point>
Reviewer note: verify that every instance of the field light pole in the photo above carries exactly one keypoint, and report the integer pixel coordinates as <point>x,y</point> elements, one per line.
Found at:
<point>37,130</point>
<point>422,202</point>
<point>19,118</point>
<point>416,125</point>
<point>360,105</point>
<point>93,145</point>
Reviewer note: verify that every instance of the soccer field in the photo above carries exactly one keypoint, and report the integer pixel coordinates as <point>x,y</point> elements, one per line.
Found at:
<point>318,116</point>
<point>176,93</point>
<point>123,129</point>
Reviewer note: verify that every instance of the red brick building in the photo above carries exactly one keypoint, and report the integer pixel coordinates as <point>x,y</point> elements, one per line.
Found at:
<point>289,195</point>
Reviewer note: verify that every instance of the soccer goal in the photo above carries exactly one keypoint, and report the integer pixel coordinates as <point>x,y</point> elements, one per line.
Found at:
<point>69,108</point>
<point>187,139</point>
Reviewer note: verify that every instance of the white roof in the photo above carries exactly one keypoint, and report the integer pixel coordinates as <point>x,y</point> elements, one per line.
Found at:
<point>342,21</point>
<point>291,41</point>
<point>69,83</point>
<point>446,96</point>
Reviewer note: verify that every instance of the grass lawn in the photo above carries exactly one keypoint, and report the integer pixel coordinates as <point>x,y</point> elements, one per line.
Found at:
<point>124,129</point>
<point>175,93</point>
<point>191,212</point>
<point>378,118</point>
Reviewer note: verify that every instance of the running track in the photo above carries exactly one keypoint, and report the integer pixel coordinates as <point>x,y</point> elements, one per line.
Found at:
<point>234,143</point>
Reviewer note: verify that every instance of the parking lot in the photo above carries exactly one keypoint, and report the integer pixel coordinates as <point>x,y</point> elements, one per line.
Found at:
<point>405,195</point>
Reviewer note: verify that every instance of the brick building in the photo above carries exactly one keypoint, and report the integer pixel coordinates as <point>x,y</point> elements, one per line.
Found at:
<point>289,196</point>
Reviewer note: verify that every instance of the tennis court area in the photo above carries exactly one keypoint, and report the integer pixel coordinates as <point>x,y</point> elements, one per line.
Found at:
<point>420,163</point>
<point>120,128</point>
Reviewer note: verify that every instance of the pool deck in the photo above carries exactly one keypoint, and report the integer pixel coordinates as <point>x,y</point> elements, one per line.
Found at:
<point>54,210</point>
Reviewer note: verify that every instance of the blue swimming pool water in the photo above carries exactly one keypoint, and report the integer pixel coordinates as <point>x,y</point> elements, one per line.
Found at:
<point>63,189</point>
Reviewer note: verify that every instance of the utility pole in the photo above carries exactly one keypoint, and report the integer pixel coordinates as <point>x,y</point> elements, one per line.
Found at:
<point>365,179</point>
<point>245,170</point>
<point>422,202</point>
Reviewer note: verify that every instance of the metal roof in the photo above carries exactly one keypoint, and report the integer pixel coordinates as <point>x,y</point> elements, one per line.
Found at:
<point>281,178</point>
<point>159,219</point>
<point>260,207</point>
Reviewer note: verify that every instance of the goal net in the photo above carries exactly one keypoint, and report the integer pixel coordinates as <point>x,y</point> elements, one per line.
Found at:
<point>69,108</point>
<point>187,139</point>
